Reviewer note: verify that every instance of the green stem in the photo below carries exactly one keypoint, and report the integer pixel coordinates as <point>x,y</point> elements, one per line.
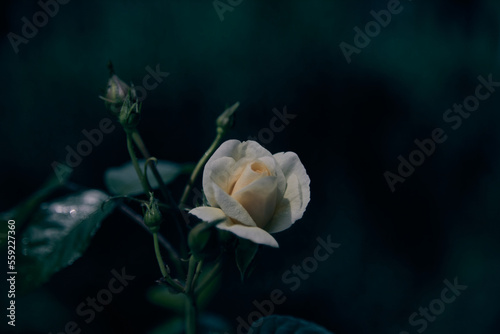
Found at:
<point>172,253</point>
<point>145,186</point>
<point>190,317</point>
<point>166,194</point>
<point>196,274</point>
<point>158,256</point>
<point>193,272</point>
<point>199,166</point>
<point>135,162</point>
<point>211,274</point>
<point>145,153</point>
<point>163,269</point>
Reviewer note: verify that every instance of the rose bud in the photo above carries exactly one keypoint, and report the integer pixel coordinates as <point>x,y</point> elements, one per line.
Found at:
<point>225,120</point>
<point>153,217</point>
<point>116,93</point>
<point>129,115</point>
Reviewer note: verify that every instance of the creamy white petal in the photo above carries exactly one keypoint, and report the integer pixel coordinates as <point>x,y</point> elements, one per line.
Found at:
<point>283,217</point>
<point>226,149</point>
<point>220,169</point>
<point>275,169</point>
<point>237,170</point>
<point>208,214</point>
<point>297,194</point>
<point>250,150</point>
<point>255,234</point>
<point>252,172</point>
<point>259,199</point>
<point>237,150</point>
<point>232,208</point>
<point>217,171</point>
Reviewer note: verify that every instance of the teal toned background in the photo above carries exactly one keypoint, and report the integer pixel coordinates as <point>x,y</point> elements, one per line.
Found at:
<point>353,121</point>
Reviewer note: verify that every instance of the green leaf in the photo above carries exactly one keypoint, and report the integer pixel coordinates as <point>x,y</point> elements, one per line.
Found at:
<point>245,253</point>
<point>161,296</point>
<point>172,326</point>
<point>23,211</point>
<point>208,324</point>
<point>123,180</point>
<point>58,234</point>
<point>278,324</point>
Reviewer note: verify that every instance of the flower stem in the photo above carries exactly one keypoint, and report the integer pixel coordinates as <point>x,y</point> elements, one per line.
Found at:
<point>172,253</point>
<point>158,255</point>
<point>209,276</point>
<point>190,317</point>
<point>135,162</point>
<point>163,269</point>
<point>166,194</point>
<point>193,272</point>
<point>199,166</point>
<point>145,153</point>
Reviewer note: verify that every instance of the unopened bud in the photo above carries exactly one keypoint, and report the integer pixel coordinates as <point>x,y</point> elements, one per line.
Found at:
<point>225,120</point>
<point>153,217</point>
<point>116,93</point>
<point>129,114</point>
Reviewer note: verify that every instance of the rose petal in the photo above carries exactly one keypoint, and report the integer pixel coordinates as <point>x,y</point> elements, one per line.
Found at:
<point>226,149</point>
<point>283,218</point>
<point>208,214</point>
<point>251,150</point>
<point>238,150</point>
<point>236,172</point>
<point>259,199</point>
<point>255,234</point>
<point>275,169</point>
<point>297,194</point>
<point>291,165</point>
<point>217,171</point>
<point>232,208</point>
<point>252,172</point>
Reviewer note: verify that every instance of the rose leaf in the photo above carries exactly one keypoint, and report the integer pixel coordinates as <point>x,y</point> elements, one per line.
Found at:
<point>278,324</point>
<point>58,234</point>
<point>123,180</point>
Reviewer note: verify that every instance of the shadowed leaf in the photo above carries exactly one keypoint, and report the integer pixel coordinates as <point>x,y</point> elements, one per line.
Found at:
<point>58,234</point>
<point>123,180</point>
<point>278,324</point>
<point>245,253</point>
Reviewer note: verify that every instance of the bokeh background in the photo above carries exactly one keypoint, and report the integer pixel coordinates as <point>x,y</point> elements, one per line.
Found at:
<point>353,121</point>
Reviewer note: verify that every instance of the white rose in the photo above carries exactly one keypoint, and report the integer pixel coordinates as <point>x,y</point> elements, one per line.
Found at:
<point>255,192</point>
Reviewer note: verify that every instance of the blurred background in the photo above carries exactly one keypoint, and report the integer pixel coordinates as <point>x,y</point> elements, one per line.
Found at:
<point>354,116</point>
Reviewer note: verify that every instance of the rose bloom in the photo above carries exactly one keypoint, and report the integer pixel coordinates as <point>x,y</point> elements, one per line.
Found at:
<point>254,192</point>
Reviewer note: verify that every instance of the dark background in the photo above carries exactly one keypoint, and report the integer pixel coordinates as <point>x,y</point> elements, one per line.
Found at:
<point>353,121</point>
